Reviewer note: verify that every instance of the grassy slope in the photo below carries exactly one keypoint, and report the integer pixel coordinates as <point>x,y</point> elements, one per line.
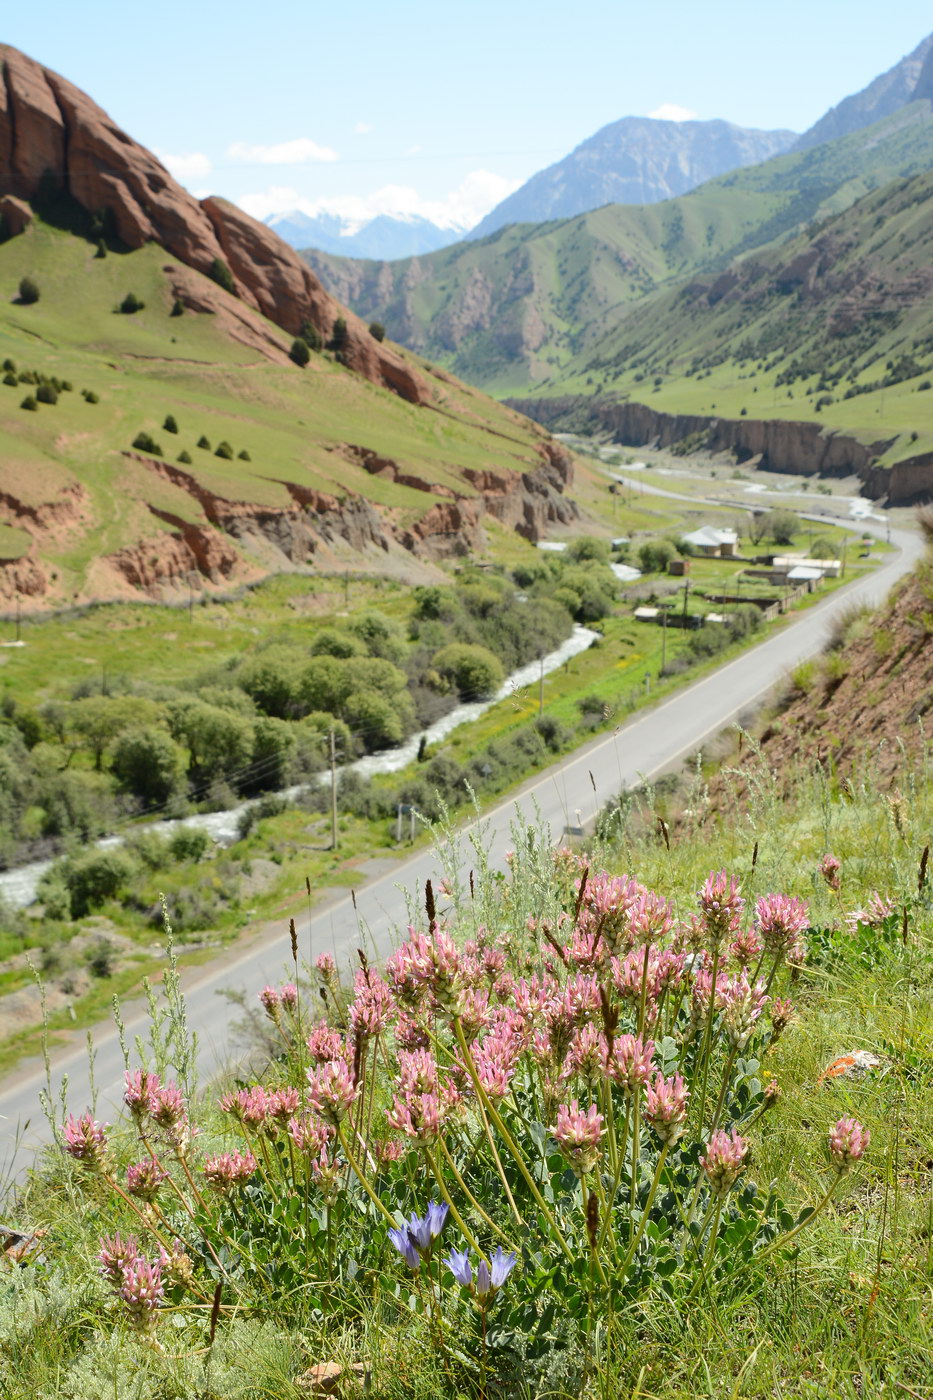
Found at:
<point>868,307</point>
<point>149,364</point>
<point>556,290</point>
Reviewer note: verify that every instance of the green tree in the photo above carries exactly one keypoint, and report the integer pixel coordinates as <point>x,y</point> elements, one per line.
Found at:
<point>274,748</point>
<point>377,330</point>
<point>221,274</point>
<point>311,336</point>
<point>28,291</point>
<point>170,425</point>
<point>219,742</point>
<point>300,353</point>
<point>273,680</point>
<point>340,336</point>
<point>131,304</point>
<point>96,721</point>
<point>149,764</point>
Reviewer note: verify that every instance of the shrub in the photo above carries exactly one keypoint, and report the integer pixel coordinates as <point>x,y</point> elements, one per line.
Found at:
<point>101,249</point>
<point>221,274</point>
<point>11,380</point>
<point>340,336</point>
<point>377,330</point>
<point>225,451</point>
<point>474,670</point>
<point>204,443</point>
<point>89,396</point>
<point>93,878</point>
<point>46,393</point>
<point>244,456</point>
<point>30,404</point>
<point>177,308</point>
<point>587,549</point>
<point>9,366</point>
<point>299,353</point>
<point>170,425</point>
<point>145,442</point>
<point>311,335</point>
<point>189,843</point>
<point>131,304</point>
<point>185,457</point>
<point>28,292</point>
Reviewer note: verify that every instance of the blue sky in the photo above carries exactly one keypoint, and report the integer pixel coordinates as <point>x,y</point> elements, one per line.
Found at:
<point>441,109</point>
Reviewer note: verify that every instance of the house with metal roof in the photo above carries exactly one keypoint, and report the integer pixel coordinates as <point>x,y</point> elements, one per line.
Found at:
<point>713,541</point>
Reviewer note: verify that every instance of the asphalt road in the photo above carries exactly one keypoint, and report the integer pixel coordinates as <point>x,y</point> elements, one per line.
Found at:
<point>649,743</point>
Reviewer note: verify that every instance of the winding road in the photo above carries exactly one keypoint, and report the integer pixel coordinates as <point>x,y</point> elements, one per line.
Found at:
<point>583,782</point>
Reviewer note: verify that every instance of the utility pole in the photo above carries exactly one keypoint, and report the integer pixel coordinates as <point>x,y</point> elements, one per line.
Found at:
<point>541,688</point>
<point>333,790</point>
<point>663,640</point>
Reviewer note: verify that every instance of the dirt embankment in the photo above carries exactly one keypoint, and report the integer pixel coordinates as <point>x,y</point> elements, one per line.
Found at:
<point>862,709</point>
<point>774,444</point>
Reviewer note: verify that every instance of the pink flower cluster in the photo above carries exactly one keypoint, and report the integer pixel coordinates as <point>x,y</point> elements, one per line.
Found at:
<point>578,1136</point>
<point>137,1280</point>
<point>724,1160</point>
<point>163,1104</point>
<point>229,1169</point>
<point>276,1000</point>
<point>848,1142</point>
<point>85,1140</point>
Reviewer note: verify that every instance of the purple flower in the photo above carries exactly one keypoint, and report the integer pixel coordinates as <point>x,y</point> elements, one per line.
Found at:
<point>489,1277</point>
<point>502,1266</point>
<point>424,1230</point>
<point>406,1247</point>
<point>458,1262</point>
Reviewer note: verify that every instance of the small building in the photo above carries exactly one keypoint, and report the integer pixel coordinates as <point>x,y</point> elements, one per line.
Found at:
<point>826,568</point>
<point>678,567</point>
<point>713,542</point>
<point>646,614</point>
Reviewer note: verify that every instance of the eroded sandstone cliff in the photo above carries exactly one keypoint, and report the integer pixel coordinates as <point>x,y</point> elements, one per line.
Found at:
<point>54,139</point>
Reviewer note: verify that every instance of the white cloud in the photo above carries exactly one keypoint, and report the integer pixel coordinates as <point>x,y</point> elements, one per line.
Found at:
<point>363,128</point>
<point>301,151</point>
<point>184,167</point>
<point>461,209</point>
<point>413,151</point>
<point>672,112</point>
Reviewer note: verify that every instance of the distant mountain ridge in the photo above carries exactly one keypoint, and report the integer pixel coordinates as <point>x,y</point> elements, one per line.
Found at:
<point>908,81</point>
<point>637,160</point>
<point>385,236</point>
<point>528,303</point>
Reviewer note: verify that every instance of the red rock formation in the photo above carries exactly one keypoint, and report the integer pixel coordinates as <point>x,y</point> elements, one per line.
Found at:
<point>50,129</point>
<point>15,215</point>
<point>22,578</point>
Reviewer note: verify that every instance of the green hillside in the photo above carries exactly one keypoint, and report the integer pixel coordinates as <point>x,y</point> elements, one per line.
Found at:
<point>835,325</point>
<point>531,304</point>
<point>71,494</point>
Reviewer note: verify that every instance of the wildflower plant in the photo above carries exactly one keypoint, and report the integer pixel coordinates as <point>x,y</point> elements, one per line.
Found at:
<point>570,1098</point>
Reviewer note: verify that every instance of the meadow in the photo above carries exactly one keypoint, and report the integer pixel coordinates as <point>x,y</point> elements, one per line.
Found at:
<point>536,1154</point>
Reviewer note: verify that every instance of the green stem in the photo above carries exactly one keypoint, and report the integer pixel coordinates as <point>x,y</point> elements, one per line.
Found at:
<point>512,1145</point>
<point>727,1070</point>
<point>630,1253</point>
<point>464,1228</point>
<point>707,1035</point>
<point>472,1199</point>
<point>361,1178</point>
<point>782,1240</point>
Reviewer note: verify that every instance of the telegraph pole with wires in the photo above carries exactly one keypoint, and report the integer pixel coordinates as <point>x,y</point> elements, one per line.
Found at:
<point>333,790</point>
